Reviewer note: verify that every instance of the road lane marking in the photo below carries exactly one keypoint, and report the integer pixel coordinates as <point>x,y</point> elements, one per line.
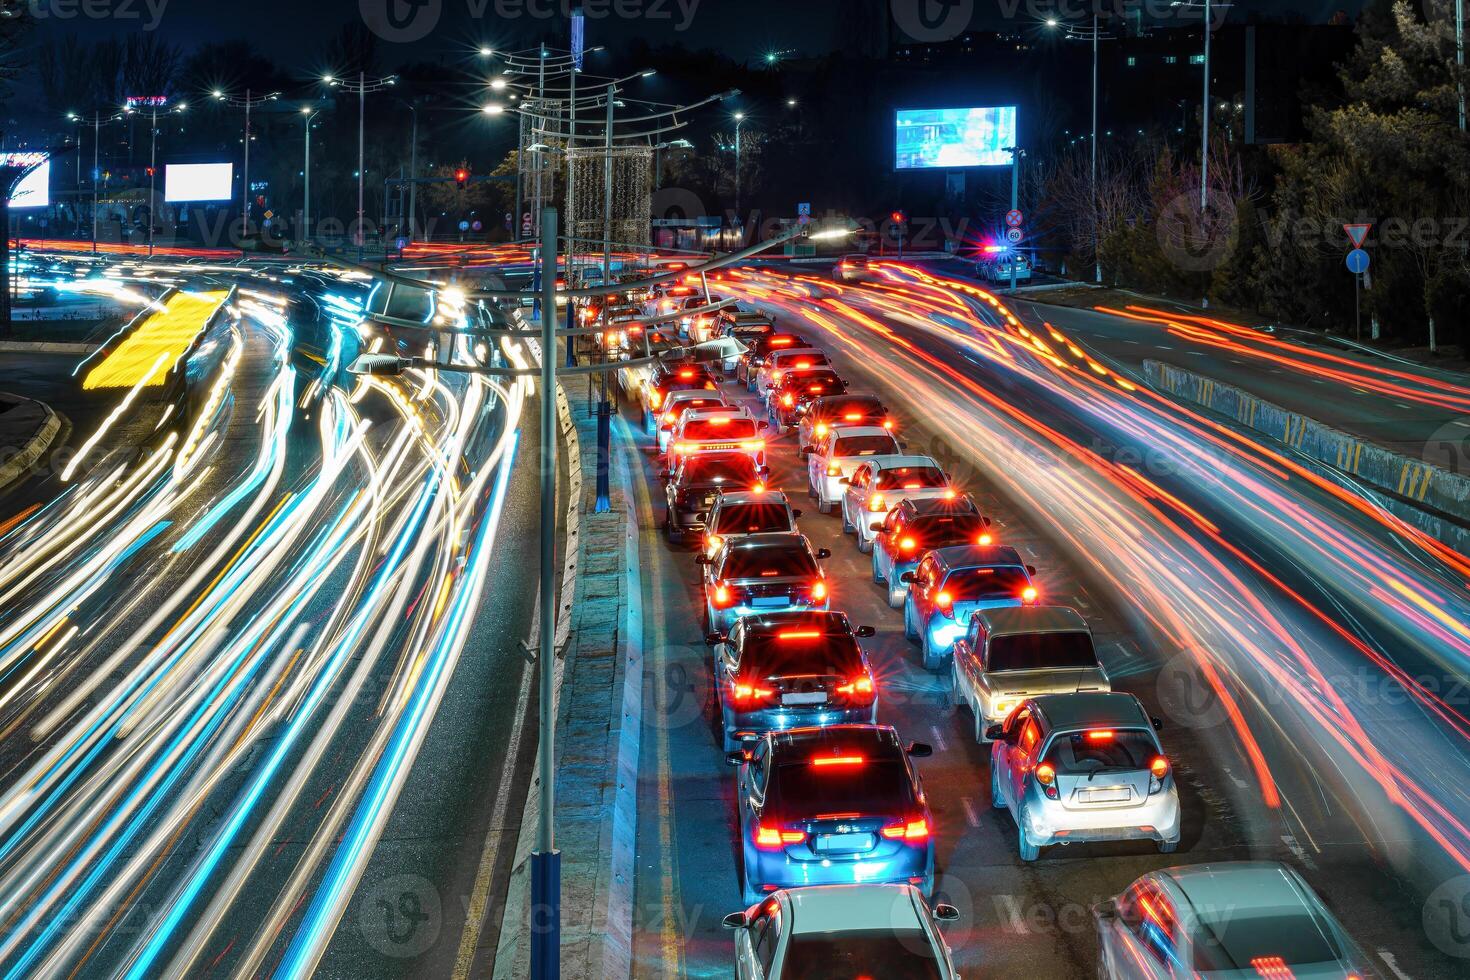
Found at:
<point>939,738</point>
<point>1391,962</point>
<point>971,817</point>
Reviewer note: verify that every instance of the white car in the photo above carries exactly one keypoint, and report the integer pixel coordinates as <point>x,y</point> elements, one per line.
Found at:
<point>681,401</point>
<point>779,362</point>
<point>842,931</point>
<point>834,457</point>
<point>881,484</point>
<point>1077,768</point>
<point>720,430</point>
<point>1232,919</point>
<point>1008,655</point>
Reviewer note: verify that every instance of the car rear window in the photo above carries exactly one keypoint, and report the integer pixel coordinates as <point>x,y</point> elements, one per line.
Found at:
<point>778,341</point>
<point>857,408</point>
<point>821,653</point>
<point>936,532</point>
<point>896,953</point>
<point>1040,651</point>
<point>864,446</point>
<point>986,583</point>
<point>872,786</point>
<point>753,518</point>
<point>1082,753</point>
<point>1240,938</point>
<point>911,478</point>
<point>798,361</point>
<point>817,381</point>
<point>719,428</point>
<point>770,561</point>
<point>720,469</point>
<point>687,404</point>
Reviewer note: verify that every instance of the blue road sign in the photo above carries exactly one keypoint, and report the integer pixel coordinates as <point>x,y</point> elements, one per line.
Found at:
<point>1357,261</point>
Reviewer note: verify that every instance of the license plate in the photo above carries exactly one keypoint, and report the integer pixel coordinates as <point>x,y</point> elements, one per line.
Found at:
<point>1104,795</point>
<point>805,697</point>
<point>844,842</point>
<point>771,600</point>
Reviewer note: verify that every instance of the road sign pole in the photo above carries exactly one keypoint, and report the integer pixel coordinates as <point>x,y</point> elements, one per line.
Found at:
<point>1358,307</point>
<point>1015,207</point>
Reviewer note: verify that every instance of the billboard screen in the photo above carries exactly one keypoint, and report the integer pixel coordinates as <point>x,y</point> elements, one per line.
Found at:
<point>947,139</point>
<point>34,190</point>
<point>198,182</point>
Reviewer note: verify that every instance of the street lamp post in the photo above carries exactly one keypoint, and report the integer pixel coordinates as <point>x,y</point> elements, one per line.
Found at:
<point>309,115</point>
<point>153,167</point>
<point>361,88</point>
<point>249,102</point>
<point>1460,57</point>
<point>739,121</point>
<point>1096,36</point>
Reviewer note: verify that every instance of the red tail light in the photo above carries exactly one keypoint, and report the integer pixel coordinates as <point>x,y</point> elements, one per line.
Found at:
<point>1159,768</point>
<point>853,416</point>
<point>750,692</point>
<point>908,544</point>
<point>819,590</point>
<point>912,830</point>
<point>1029,594</point>
<point>888,423</point>
<point>824,761</point>
<point>773,838</point>
<point>1047,777</point>
<point>788,400</point>
<point>984,540</point>
<point>821,429</point>
<point>861,684</point>
<point>944,601</point>
<point>722,597</point>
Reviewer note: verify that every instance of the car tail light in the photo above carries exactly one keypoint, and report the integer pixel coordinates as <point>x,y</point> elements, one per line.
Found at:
<point>1157,770</point>
<point>781,342</point>
<point>799,635</point>
<point>1100,736</point>
<point>683,447</point>
<point>712,542</point>
<point>821,429</point>
<point>908,544</point>
<point>861,684</point>
<point>876,503</point>
<point>888,423</point>
<point>826,761</point>
<point>1046,776</point>
<point>819,590</point>
<point>1272,967</point>
<point>950,494</point>
<point>834,469</point>
<point>853,416</point>
<point>1028,594</point>
<point>753,445</point>
<point>758,488</point>
<point>722,597</point>
<point>788,400</point>
<point>912,830</point>
<point>750,692</point>
<point>944,602</point>
<point>984,540</point>
<point>670,416</point>
<point>774,838</point>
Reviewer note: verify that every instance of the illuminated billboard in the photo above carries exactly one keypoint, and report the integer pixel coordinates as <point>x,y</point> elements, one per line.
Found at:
<point>34,190</point>
<point>198,182</point>
<point>948,139</point>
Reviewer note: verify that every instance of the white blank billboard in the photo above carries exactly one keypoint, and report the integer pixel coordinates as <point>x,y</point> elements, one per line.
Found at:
<point>34,191</point>
<point>198,182</point>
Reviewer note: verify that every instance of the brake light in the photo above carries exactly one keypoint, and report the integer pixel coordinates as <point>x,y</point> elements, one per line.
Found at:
<point>908,544</point>
<point>1159,768</point>
<point>683,447</point>
<point>862,684</point>
<point>758,488</point>
<point>834,469</point>
<point>670,416</point>
<point>819,590</point>
<point>821,429</point>
<point>775,377</point>
<point>719,420</point>
<point>950,494</point>
<point>712,542</point>
<point>752,445</point>
<point>772,838</point>
<point>1099,736</point>
<point>888,423</point>
<point>721,597</point>
<point>802,365</point>
<point>853,416</point>
<point>944,601</point>
<point>798,635</point>
<point>781,342</point>
<point>913,830</point>
<point>1028,594</point>
<point>1272,967</point>
<point>686,374</point>
<point>788,400</point>
<point>823,761</point>
<point>875,504</point>
<point>749,692</point>
<point>1047,777</point>
<point>984,540</point>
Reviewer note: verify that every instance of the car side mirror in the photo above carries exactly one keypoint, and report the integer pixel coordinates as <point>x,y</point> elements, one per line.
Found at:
<point>944,913</point>
<point>736,758</point>
<point>863,632</point>
<point>906,577</point>
<point>795,513</point>
<point>880,526</point>
<point>703,560</point>
<point>920,750</point>
<point>1158,724</point>
<point>711,639</point>
<point>1105,910</point>
<point>1030,569</point>
<point>823,554</point>
<point>736,920</point>
<point>995,732</point>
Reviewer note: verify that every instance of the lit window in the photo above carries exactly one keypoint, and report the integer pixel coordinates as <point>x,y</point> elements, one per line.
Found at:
<point>1196,59</point>
<point>1132,61</point>
<point>1170,59</point>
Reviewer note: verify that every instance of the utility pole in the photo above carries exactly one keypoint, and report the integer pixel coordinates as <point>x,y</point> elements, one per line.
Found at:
<point>1460,57</point>
<point>96,141</point>
<point>1096,250</point>
<point>1016,154</point>
<point>248,103</point>
<point>361,87</point>
<point>1204,157</point>
<point>604,405</point>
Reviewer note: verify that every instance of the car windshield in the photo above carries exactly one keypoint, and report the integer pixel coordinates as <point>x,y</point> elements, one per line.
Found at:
<point>896,954</point>
<point>864,446</point>
<point>911,478</point>
<point>753,518</point>
<point>720,470</point>
<point>721,427</point>
<point>791,560</point>
<point>1041,651</point>
<point>867,786</point>
<point>987,582</point>
<point>936,532</point>
<point>1240,938</point>
<point>1081,753</point>
<point>801,652</point>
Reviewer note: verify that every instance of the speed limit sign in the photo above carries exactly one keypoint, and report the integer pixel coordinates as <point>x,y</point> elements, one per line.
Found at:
<point>1013,235</point>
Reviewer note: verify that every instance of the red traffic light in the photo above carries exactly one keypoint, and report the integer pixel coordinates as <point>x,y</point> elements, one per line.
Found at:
<point>461,177</point>
<point>898,217</point>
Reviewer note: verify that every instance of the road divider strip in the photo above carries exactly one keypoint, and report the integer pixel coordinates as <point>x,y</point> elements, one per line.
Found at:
<point>23,414</point>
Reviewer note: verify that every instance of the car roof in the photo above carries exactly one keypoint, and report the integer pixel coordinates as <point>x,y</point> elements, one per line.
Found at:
<point>847,398</point>
<point>962,506</point>
<point>696,414</point>
<point>767,539</point>
<point>844,431</point>
<point>808,351</point>
<point>743,496</point>
<point>898,460</point>
<point>1240,889</point>
<point>1031,619</point>
<point>874,741</point>
<point>690,394</point>
<point>774,622</point>
<point>1086,710</point>
<point>852,908</point>
<point>975,555</point>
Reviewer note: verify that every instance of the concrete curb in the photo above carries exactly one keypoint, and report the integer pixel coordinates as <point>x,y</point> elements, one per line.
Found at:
<point>46,347</point>
<point>48,423</point>
<point>1412,479</point>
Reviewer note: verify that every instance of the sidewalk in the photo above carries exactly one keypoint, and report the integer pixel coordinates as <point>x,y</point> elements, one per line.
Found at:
<point>26,430</point>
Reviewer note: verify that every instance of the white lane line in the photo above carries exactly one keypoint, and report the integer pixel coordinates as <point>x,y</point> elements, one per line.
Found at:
<point>1461,423</point>
<point>1391,962</point>
<point>971,817</point>
<point>939,738</point>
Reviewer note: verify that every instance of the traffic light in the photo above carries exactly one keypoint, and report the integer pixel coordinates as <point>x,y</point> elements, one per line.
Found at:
<point>461,178</point>
<point>898,217</point>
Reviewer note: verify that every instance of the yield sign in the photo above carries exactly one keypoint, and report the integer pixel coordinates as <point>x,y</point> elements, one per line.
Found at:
<point>1358,233</point>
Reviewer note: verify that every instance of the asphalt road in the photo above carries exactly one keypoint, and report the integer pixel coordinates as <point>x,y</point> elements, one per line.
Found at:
<point>1304,651</point>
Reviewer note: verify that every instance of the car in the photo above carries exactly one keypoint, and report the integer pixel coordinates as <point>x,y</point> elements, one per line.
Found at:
<point>667,298</point>
<point>918,526</point>
<point>779,363</point>
<point>1231,919</point>
<point>722,429</point>
<point>697,326</point>
<point>676,403</point>
<point>842,931</point>
<point>694,481</point>
<point>762,573</point>
<point>733,318</point>
<point>949,584</point>
<point>791,670</point>
<point>881,484</point>
<point>678,376</point>
<point>1075,768</point>
<point>740,512</point>
<point>849,408</point>
<point>746,334</point>
<point>1008,655</point>
<point>838,804</point>
<point>833,457</point>
<point>852,268</point>
<point>761,348</point>
<point>795,392</point>
<point>996,266</point>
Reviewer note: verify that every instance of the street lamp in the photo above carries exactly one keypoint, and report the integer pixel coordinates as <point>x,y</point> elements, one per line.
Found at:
<point>361,88</point>
<point>309,114</point>
<point>1204,155</point>
<point>1095,35</point>
<point>248,103</point>
<point>739,121</point>
<point>153,166</point>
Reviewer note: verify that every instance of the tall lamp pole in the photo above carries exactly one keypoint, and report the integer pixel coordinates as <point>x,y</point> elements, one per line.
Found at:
<point>361,88</point>
<point>739,121</point>
<point>248,103</point>
<point>309,115</point>
<point>1095,35</point>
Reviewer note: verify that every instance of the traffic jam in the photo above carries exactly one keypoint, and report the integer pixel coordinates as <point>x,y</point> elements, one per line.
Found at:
<point>837,844</point>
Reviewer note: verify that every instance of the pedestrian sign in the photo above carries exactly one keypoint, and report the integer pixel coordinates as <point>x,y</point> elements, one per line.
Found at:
<point>804,213</point>
<point>1358,233</point>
